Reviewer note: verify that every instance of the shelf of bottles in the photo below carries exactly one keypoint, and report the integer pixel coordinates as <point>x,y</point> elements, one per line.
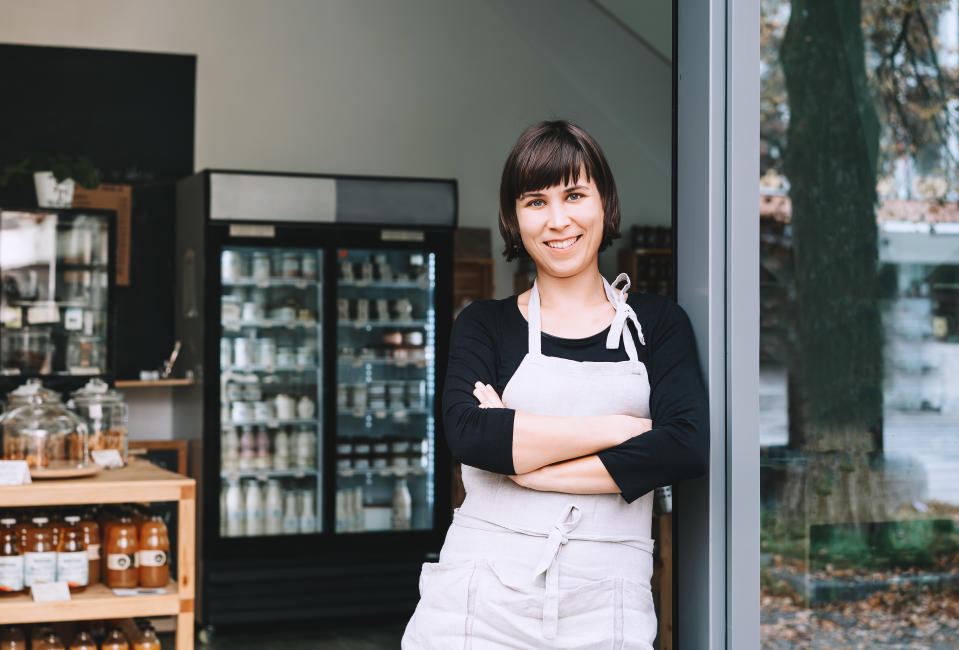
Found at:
<point>385,333</point>
<point>270,391</point>
<point>54,293</point>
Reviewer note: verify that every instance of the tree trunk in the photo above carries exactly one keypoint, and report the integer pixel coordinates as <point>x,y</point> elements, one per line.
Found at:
<point>836,370</point>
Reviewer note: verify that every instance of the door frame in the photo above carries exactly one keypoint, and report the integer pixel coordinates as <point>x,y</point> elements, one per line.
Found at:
<point>716,207</point>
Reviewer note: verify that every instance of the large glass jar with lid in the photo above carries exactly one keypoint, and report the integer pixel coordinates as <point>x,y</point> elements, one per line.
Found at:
<point>39,429</point>
<point>106,414</point>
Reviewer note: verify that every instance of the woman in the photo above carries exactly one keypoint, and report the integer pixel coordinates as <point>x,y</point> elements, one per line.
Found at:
<point>602,401</point>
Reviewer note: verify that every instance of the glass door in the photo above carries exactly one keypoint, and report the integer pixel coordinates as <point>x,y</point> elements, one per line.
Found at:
<point>55,282</point>
<point>270,382</point>
<point>385,337</point>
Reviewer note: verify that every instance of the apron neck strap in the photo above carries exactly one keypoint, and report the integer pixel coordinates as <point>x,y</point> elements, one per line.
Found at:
<point>617,331</point>
<point>535,321</point>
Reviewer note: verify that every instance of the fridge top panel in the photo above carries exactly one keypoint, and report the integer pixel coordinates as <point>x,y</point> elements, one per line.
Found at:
<point>245,196</point>
<point>260,197</point>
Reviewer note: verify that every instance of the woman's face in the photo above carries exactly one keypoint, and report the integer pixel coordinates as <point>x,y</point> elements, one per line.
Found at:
<point>562,227</point>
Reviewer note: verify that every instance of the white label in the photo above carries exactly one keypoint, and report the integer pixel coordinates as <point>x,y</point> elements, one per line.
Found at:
<point>45,592</point>
<point>14,472</point>
<point>121,561</point>
<point>93,552</point>
<point>73,567</point>
<point>11,573</point>
<point>107,458</point>
<point>39,567</point>
<point>401,235</point>
<point>43,314</point>
<point>72,319</point>
<point>242,230</point>
<point>152,558</point>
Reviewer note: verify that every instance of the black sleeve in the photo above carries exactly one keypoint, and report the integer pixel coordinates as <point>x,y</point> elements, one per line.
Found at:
<point>482,438</point>
<point>677,447</point>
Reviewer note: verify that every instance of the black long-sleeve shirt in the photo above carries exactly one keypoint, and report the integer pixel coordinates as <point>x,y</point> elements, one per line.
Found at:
<point>488,342</point>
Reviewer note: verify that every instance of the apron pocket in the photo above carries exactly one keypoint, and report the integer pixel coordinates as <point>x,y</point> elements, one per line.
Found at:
<point>589,618</point>
<point>639,617</point>
<point>444,614</point>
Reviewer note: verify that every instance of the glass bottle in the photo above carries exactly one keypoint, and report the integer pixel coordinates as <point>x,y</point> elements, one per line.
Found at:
<point>11,559</point>
<point>147,639</point>
<point>115,640</point>
<point>83,641</point>
<point>13,637</point>
<point>154,554</point>
<point>40,555</point>
<point>91,539</point>
<point>73,565</point>
<point>121,554</point>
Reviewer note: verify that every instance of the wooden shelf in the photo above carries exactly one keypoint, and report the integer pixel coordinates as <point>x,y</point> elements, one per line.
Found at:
<point>137,383</point>
<point>94,602</point>
<point>139,481</point>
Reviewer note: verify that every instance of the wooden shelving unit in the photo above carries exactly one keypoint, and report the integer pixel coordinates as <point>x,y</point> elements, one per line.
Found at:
<point>139,481</point>
<point>153,383</point>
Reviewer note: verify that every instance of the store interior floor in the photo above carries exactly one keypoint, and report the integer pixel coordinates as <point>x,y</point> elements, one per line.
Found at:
<point>345,634</point>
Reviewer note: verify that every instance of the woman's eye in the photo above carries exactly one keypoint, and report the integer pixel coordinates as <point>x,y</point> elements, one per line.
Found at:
<point>536,203</point>
<point>575,196</point>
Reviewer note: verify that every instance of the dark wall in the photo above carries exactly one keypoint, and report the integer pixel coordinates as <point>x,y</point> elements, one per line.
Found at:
<point>132,114</point>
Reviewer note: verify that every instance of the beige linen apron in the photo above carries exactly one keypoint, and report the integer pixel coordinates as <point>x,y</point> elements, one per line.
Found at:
<point>522,568</point>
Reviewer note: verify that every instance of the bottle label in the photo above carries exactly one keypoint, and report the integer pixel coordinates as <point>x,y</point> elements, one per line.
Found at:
<point>152,557</point>
<point>93,552</point>
<point>39,567</point>
<point>11,573</point>
<point>73,567</point>
<point>121,561</point>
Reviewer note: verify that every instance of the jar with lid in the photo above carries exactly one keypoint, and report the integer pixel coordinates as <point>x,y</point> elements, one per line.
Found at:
<point>27,350</point>
<point>12,637</point>
<point>106,414</point>
<point>73,565</point>
<point>11,558</point>
<point>153,558</point>
<point>122,547</point>
<point>44,433</point>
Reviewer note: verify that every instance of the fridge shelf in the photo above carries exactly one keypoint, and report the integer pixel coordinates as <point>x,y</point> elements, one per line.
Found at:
<point>268,369</point>
<point>381,414</point>
<point>381,323</point>
<point>267,323</point>
<point>263,474</point>
<point>382,471</point>
<point>399,363</point>
<point>410,284</point>
<point>298,283</point>
<point>267,423</point>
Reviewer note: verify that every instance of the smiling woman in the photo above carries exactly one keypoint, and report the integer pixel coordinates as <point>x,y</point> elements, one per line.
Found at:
<point>567,405</point>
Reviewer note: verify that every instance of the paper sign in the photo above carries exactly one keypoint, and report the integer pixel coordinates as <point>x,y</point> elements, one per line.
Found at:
<point>107,458</point>
<point>14,472</point>
<point>47,592</point>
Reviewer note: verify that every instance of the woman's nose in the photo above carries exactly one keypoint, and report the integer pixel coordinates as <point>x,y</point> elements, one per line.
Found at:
<point>558,218</point>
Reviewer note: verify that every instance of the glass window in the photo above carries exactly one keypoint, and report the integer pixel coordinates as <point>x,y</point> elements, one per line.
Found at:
<point>859,320</point>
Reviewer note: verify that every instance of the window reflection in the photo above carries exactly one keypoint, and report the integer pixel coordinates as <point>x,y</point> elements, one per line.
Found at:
<point>859,282</point>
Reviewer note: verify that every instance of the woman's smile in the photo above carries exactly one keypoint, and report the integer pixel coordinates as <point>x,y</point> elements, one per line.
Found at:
<point>563,245</point>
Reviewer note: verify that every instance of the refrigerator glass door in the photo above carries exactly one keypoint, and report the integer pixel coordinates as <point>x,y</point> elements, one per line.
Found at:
<point>55,275</point>
<point>385,383</point>
<point>271,370</point>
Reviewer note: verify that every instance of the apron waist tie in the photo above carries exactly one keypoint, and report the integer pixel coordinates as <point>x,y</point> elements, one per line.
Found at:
<point>558,534</point>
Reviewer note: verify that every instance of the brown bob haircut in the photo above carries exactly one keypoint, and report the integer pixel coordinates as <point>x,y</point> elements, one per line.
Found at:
<point>548,154</point>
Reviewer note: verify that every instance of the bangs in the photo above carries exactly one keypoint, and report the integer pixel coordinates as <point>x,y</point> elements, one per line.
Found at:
<point>550,161</point>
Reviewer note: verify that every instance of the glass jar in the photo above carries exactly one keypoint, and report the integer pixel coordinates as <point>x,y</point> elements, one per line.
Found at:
<point>86,354</point>
<point>46,435</point>
<point>26,350</point>
<point>106,414</point>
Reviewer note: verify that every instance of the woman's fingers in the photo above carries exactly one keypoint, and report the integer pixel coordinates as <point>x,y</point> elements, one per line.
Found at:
<point>486,396</point>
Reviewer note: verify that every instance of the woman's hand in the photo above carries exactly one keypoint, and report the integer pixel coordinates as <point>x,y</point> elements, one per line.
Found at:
<point>488,399</point>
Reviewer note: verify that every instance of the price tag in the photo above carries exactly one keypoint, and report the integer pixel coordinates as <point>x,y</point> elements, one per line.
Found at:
<point>300,284</point>
<point>379,415</point>
<point>48,592</point>
<point>139,591</point>
<point>14,472</point>
<point>298,473</point>
<point>12,317</point>
<point>107,458</point>
<point>72,319</point>
<point>43,314</point>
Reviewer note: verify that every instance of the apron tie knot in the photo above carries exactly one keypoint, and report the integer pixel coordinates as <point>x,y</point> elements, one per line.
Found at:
<point>558,535</point>
<point>618,330</point>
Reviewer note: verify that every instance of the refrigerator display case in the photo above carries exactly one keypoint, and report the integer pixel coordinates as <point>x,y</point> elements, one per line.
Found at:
<point>308,308</point>
<point>55,313</point>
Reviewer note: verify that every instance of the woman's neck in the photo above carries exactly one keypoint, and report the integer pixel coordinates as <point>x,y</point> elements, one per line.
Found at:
<point>566,295</point>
